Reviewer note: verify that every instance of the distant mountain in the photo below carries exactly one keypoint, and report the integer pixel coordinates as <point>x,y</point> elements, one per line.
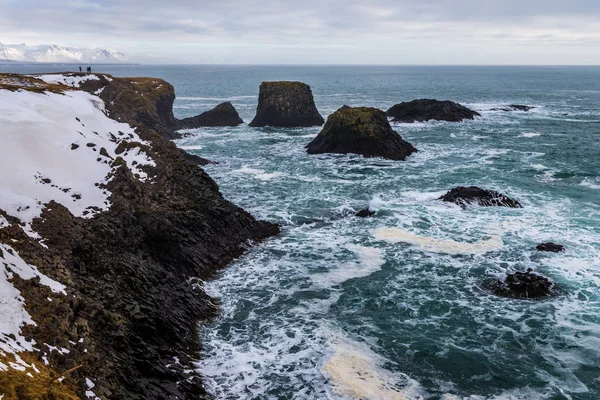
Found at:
<point>51,53</point>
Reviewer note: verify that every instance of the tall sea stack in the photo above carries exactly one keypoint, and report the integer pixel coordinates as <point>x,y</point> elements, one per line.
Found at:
<point>286,104</point>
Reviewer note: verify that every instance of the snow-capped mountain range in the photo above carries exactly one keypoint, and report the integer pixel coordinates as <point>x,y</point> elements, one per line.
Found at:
<point>51,53</point>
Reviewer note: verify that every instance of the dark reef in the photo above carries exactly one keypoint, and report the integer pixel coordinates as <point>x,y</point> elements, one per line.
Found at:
<point>427,109</point>
<point>473,195</point>
<point>523,285</point>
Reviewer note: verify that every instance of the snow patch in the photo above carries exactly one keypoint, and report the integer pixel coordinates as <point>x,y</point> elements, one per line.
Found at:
<point>69,80</point>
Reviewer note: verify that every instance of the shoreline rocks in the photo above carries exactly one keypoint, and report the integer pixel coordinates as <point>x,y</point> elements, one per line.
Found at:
<point>523,285</point>
<point>286,104</point>
<point>464,196</point>
<point>550,247</point>
<point>423,110</point>
<point>360,130</point>
<point>223,114</point>
<point>513,107</point>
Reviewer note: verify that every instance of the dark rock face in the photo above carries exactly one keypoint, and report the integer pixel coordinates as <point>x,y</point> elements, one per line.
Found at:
<point>551,247</point>
<point>286,104</point>
<point>149,102</point>
<point>473,195</point>
<point>134,296</point>
<point>360,130</point>
<point>224,114</point>
<point>523,285</point>
<point>366,213</point>
<point>427,109</point>
<point>513,107</point>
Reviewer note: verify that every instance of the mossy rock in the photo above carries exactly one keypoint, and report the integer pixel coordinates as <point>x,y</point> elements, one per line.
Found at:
<point>422,110</point>
<point>286,104</point>
<point>360,130</point>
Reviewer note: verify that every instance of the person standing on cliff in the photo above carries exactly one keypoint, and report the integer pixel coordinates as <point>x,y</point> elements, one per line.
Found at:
<point>80,69</point>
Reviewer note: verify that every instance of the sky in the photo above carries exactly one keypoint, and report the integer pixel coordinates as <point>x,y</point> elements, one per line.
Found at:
<point>447,32</point>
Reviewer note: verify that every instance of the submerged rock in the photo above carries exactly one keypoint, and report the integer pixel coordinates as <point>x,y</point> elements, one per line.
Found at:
<point>427,109</point>
<point>286,104</point>
<point>551,247</point>
<point>360,130</point>
<point>223,114</point>
<point>513,107</point>
<point>366,213</point>
<point>523,285</point>
<point>473,195</point>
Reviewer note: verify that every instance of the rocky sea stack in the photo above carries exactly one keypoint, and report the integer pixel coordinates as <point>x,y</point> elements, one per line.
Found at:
<point>360,130</point>
<point>473,195</point>
<point>286,104</point>
<point>427,109</point>
<point>523,285</point>
<point>223,114</point>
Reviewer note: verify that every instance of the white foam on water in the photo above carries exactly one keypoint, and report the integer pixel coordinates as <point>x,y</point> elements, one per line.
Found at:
<point>191,147</point>
<point>591,183</point>
<point>259,174</point>
<point>232,98</point>
<point>448,246</point>
<point>370,259</point>
<point>356,372</point>
<point>530,134</point>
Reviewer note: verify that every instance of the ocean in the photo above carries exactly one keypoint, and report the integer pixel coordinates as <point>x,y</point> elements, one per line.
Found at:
<point>334,308</point>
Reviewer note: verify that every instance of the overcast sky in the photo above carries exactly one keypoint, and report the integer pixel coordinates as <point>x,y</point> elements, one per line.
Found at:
<point>316,31</point>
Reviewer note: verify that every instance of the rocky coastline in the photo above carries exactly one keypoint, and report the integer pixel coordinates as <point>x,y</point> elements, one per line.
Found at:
<point>126,326</point>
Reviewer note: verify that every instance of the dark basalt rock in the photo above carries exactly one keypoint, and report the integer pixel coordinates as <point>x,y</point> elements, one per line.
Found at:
<point>149,102</point>
<point>366,213</point>
<point>360,130</point>
<point>513,107</point>
<point>473,195</point>
<point>427,109</point>
<point>551,247</point>
<point>523,285</point>
<point>133,298</point>
<point>286,104</point>
<point>224,114</point>
<point>197,159</point>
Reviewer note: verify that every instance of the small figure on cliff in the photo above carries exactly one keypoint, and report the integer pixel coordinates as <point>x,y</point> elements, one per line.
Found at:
<point>89,70</point>
<point>80,69</point>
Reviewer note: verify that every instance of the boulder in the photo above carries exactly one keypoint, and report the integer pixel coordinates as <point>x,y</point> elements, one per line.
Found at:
<point>473,195</point>
<point>366,213</point>
<point>286,104</point>
<point>427,109</point>
<point>523,285</point>
<point>551,247</point>
<point>513,107</point>
<point>223,114</point>
<point>360,130</point>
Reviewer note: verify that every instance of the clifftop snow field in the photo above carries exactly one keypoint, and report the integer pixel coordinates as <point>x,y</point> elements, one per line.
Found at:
<point>103,228</point>
<point>51,53</point>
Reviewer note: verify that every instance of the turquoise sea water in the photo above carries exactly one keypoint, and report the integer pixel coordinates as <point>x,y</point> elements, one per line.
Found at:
<point>393,306</point>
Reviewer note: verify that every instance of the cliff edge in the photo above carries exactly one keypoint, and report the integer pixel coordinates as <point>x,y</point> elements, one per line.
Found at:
<point>107,231</point>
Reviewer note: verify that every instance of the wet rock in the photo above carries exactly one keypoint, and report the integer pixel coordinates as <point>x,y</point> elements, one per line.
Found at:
<point>360,130</point>
<point>513,107</point>
<point>197,159</point>
<point>366,213</point>
<point>223,114</point>
<point>523,285</point>
<point>551,247</point>
<point>286,104</point>
<point>428,109</point>
<point>474,195</point>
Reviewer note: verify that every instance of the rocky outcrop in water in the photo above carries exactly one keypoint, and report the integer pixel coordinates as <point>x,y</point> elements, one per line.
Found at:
<point>464,196</point>
<point>427,109</point>
<point>366,213</point>
<point>523,285</point>
<point>513,107</point>
<point>550,247</point>
<point>360,130</point>
<point>286,104</point>
<point>223,114</point>
<point>133,273</point>
<point>149,102</point>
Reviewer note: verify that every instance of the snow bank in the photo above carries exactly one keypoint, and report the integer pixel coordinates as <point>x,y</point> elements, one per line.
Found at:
<point>69,80</point>
<point>51,145</point>
<point>12,306</point>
